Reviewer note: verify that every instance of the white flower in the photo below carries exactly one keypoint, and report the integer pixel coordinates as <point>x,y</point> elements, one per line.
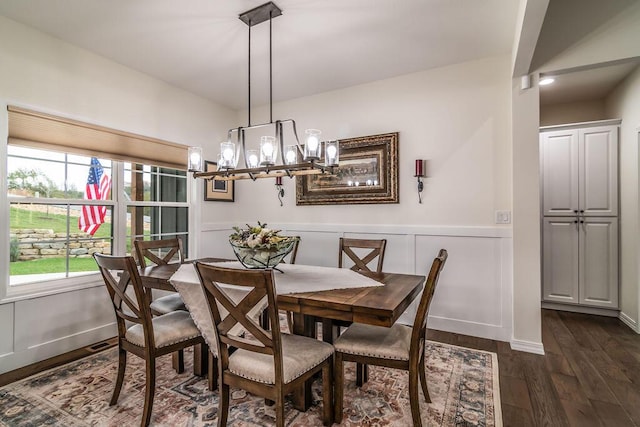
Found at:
<point>253,242</point>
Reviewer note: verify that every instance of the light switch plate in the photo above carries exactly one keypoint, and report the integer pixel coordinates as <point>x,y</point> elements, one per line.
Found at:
<point>503,217</point>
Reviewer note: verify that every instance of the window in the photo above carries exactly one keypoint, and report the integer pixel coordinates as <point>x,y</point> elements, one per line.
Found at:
<point>56,223</point>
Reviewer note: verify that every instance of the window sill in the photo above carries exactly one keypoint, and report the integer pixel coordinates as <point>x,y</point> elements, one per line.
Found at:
<point>50,287</point>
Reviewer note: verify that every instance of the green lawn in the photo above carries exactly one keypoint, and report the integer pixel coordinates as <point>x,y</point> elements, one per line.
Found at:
<point>51,265</point>
<point>23,218</point>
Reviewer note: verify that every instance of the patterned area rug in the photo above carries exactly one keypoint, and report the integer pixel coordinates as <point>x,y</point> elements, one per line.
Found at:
<point>463,384</point>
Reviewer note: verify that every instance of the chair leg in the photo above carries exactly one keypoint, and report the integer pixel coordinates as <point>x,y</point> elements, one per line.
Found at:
<point>223,405</point>
<point>414,399</point>
<point>212,374</point>
<point>122,364</point>
<point>423,380</point>
<point>150,391</point>
<point>200,352</point>
<point>362,374</point>
<point>177,361</point>
<point>338,386</point>
<point>327,393</point>
<point>290,321</point>
<point>280,410</point>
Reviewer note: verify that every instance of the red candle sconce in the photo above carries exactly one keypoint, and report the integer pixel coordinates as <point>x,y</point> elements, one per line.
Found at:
<point>420,174</point>
<point>279,189</point>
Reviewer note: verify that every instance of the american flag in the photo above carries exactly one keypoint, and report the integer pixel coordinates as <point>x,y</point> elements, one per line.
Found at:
<point>98,185</point>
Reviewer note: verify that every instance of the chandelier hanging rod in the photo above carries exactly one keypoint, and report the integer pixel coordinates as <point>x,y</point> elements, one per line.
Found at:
<point>294,158</point>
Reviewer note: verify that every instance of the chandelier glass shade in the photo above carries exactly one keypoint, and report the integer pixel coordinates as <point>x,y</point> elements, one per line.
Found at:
<point>273,156</point>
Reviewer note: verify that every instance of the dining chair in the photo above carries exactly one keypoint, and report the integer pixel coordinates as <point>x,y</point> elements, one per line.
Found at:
<point>292,260</point>
<point>352,249</point>
<point>149,337</point>
<point>360,262</point>
<point>161,252</point>
<point>267,363</point>
<point>399,347</point>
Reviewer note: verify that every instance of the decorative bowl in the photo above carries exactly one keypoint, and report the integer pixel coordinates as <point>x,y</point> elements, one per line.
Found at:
<point>261,257</point>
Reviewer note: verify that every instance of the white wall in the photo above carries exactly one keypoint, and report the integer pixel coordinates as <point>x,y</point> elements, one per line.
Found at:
<point>573,112</point>
<point>624,103</point>
<point>43,73</point>
<point>456,117</point>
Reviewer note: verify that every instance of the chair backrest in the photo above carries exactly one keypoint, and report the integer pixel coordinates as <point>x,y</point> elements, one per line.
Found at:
<point>159,252</point>
<point>121,274</point>
<point>377,247</point>
<point>294,252</point>
<point>259,284</point>
<point>420,322</point>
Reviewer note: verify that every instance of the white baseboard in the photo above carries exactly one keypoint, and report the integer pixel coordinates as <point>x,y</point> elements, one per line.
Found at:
<point>580,309</point>
<point>462,327</point>
<point>42,351</point>
<point>527,346</point>
<point>629,322</point>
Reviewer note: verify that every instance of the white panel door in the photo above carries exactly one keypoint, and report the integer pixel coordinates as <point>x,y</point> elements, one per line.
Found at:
<point>599,262</point>
<point>560,275</point>
<point>598,171</point>
<point>559,157</point>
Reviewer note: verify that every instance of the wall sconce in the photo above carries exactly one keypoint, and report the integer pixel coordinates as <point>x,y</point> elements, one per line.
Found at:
<point>279,189</point>
<point>420,174</point>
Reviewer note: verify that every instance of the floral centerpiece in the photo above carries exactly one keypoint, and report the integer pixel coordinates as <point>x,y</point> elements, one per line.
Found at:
<point>259,246</point>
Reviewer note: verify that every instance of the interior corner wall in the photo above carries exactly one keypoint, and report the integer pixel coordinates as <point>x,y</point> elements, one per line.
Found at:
<point>43,73</point>
<point>573,112</point>
<point>624,103</point>
<point>527,332</point>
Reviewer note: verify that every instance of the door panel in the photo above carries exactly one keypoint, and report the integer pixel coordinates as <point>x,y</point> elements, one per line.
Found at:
<point>599,262</point>
<point>559,157</point>
<point>598,181</point>
<point>560,260</point>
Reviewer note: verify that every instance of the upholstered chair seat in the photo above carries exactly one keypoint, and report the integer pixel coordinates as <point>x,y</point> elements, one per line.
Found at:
<point>299,355</point>
<point>168,329</point>
<point>376,341</point>
<point>167,304</point>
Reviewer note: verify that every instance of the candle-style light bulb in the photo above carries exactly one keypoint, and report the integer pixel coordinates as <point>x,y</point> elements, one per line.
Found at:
<point>313,142</point>
<point>291,156</point>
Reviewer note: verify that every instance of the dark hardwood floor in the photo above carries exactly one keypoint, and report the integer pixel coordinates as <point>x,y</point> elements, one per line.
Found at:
<point>589,375</point>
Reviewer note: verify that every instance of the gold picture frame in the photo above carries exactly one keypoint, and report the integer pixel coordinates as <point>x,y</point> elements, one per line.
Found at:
<point>368,174</point>
<point>217,190</point>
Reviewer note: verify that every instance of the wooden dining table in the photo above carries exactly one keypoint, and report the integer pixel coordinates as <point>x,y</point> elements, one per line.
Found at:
<point>377,305</point>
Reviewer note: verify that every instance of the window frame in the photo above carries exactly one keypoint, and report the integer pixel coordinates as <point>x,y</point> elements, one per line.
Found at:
<point>11,293</point>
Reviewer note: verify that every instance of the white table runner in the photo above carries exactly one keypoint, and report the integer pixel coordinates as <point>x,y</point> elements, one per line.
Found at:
<point>293,279</point>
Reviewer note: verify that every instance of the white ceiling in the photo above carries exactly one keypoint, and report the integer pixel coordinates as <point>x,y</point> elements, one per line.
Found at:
<point>318,45</point>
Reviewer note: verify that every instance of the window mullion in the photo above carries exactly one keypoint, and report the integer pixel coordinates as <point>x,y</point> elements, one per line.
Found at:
<point>119,210</point>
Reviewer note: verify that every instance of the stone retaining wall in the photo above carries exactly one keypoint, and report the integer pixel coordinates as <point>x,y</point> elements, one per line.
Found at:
<point>44,243</point>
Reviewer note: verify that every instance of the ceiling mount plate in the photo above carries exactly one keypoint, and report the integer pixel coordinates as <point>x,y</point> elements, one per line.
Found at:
<point>260,14</point>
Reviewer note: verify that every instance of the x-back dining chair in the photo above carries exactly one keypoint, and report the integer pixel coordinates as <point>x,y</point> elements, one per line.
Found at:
<point>361,263</point>
<point>161,252</point>
<point>353,250</point>
<point>149,337</point>
<point>400,347</point>
<point>267,363</point>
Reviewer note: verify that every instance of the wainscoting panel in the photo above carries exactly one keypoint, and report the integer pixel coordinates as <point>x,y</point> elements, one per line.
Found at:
<point>6,329</point>
<point>50,325</point>
<point>474,295</point>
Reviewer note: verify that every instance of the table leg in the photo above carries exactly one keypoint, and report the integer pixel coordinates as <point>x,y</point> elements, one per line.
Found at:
<point>329,331</point>
<point>303,325</point>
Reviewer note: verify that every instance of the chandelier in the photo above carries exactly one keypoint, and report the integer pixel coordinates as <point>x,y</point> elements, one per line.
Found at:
<point>273,156</point>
